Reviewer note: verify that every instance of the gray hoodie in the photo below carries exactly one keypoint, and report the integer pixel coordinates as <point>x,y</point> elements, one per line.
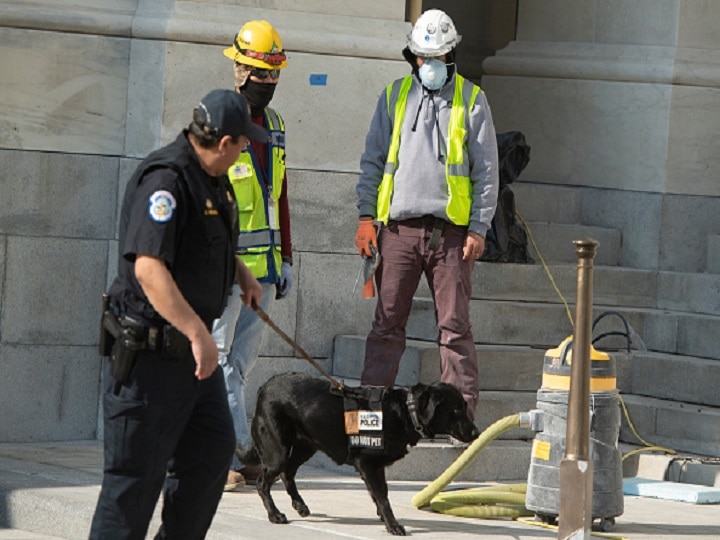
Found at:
<point>420,186</point>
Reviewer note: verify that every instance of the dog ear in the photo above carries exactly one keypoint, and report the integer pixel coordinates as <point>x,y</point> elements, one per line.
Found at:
<point>428,400</point>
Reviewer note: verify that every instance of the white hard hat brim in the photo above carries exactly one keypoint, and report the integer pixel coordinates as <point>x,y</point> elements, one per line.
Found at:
<point>432,51</point>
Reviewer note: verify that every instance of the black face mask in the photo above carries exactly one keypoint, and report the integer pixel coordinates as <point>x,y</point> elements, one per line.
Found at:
<point>258,95</point>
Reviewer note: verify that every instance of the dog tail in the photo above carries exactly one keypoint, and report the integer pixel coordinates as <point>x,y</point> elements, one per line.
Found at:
<point>247,456</point>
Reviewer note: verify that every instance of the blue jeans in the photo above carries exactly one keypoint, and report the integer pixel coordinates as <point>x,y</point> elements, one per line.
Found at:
<point>238,334</point>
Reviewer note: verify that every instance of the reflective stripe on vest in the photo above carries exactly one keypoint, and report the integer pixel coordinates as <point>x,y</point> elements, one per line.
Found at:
<point>457,166</point>
<point>259,241</point>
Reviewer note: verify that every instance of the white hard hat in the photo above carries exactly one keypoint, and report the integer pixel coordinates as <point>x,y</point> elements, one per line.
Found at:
<point>434,34</point>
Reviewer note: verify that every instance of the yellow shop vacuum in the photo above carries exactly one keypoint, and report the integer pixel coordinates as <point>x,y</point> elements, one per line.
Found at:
<point>548,450</point>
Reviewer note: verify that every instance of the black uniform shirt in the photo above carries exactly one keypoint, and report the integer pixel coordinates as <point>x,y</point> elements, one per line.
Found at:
<point>174,211</point>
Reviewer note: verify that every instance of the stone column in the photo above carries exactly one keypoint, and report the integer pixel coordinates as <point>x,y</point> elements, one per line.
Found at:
<point>621,96</point>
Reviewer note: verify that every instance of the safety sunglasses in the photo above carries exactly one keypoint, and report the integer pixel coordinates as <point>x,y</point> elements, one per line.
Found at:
<point>265,73</point>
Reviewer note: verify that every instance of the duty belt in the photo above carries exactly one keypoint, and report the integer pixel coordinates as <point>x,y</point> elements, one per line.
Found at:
<point>152,338</point>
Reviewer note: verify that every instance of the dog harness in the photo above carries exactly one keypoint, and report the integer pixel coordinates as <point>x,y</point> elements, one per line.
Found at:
<point>364,416</point>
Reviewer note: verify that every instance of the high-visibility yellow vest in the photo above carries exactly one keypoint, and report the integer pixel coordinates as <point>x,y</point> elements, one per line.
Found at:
<point>457,166</point>
<point>259,241</point>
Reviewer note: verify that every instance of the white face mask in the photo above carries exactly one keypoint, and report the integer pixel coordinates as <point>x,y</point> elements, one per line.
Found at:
<point>433,74</point>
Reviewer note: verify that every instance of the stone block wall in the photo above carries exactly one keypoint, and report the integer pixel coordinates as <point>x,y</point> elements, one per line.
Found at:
<point>87,92</point>
<point>627,122</point>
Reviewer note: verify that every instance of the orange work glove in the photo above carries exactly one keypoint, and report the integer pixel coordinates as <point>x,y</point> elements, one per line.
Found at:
<point>365,236</point>
<point>369,288</point>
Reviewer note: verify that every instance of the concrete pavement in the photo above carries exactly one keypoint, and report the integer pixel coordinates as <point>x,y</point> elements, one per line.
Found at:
<point>48,490</point>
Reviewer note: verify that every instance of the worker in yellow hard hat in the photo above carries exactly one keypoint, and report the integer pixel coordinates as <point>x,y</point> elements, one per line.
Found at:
<point>265,245</point>
<point>258,54</point>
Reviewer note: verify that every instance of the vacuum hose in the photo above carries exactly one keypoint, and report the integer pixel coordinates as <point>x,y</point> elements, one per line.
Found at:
<point>424,497</point>
<point>506,501</point>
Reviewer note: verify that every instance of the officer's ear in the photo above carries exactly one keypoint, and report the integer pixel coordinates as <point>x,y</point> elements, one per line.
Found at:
<point>224,143</point>
<point>229,145</point>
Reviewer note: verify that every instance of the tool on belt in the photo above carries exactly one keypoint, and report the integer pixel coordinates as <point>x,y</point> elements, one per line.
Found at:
<point>368,266</point>
<point>121,338</point>
<point>264,316</point>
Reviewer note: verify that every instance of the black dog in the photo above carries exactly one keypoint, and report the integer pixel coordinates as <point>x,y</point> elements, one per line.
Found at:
<point>298,414</point>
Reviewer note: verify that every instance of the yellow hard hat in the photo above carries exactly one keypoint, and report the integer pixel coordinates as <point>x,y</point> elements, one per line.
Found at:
<point>258,44</point>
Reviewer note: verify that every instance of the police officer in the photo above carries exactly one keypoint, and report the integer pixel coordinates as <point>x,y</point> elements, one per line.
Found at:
<point>166,418</point>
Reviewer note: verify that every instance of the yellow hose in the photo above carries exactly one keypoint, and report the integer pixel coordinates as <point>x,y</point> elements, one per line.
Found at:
<point>491,502</point>
<point>424,497</point>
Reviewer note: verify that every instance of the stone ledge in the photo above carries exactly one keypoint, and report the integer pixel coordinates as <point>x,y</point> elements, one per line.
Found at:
<point>206,22</point>
<point>607,62</point>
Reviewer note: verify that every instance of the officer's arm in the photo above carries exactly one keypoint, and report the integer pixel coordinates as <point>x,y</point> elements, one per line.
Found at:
<point>163,293</point>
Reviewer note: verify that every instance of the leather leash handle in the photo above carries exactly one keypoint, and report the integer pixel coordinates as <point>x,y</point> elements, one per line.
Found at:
<point>264,316</point>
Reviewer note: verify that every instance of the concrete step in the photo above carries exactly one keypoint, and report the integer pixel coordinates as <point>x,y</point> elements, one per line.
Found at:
<point>680,468</point>
<point>499,322</point>
<point>501,367</point>
<point>539,324</point>
<point>694,293</point>
<point>536,324</point>
<point>612,285</point>
<point>713,254</point>
<point>500,460</point>
<point>555,242</point>
<point>672,424</point>
<point>684,378</point>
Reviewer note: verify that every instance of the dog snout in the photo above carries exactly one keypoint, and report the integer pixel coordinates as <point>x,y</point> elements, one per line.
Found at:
<point>467,432</point>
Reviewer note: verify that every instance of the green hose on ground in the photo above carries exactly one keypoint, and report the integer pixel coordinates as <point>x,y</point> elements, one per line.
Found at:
<point>424,497</point>
<point>491,502</point>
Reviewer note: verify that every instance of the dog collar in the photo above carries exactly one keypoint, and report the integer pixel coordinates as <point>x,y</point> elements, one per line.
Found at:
<point>412,409</point>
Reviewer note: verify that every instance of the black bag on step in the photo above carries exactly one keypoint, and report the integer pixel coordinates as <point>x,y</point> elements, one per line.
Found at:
<point>506,240</point>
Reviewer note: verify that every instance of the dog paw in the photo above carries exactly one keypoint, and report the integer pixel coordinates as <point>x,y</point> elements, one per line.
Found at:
<point>277,518</point>
<point>301,508</point>
<point>396,529</point>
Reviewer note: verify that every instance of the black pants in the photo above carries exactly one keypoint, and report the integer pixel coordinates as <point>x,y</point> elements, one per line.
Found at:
<point>164,430</point>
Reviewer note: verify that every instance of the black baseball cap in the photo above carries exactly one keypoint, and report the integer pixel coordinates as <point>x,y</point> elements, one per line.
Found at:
<point>226,112</point>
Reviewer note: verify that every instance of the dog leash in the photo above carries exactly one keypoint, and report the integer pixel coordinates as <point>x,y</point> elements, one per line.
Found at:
<point>264,316</point>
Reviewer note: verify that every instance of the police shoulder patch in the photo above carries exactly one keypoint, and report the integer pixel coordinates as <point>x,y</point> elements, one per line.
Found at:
<point>161,206</point>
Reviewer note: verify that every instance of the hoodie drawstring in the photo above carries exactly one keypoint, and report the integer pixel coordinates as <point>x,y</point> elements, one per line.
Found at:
<point>417,115</point>
<point>442,149</point>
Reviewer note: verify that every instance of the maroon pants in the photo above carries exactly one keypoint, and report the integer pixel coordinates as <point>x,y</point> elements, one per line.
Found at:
<point>405,257</point>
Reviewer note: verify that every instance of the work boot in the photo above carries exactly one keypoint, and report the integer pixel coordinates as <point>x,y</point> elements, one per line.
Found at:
<point>235,480</point>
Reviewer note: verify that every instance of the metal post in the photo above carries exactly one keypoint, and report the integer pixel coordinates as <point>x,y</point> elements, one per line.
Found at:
<point>413,9</point>
<point>576,469</point>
